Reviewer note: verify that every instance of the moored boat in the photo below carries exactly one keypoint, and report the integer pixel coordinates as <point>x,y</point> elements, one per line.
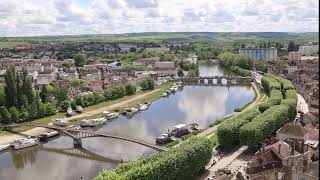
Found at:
<point>4,147</point>
<point>59,122</point>
<point>69,111</point>
<point>164,94</point>
<point>143,107</point>
<point>24,143</point>
<point>112,115</point>
<point>74,127</point>
<point>79,109</point>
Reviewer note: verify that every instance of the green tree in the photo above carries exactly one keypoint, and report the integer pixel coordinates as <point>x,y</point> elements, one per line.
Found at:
<point>291,46</point>
<point>79,60</point>
<point>60,93</point>
<point>5,116</point>
<point>14,114</point>
<point>180,73</point>
<point>130,89</point>
<point>10,87</point>
<point>49,109</point>
<point>64,105</point>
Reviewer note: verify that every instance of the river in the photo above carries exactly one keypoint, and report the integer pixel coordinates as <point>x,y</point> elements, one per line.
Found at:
<point>57,159</point>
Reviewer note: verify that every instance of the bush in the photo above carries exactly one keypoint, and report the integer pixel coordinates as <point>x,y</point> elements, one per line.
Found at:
<point>264,125</point>
<point>184,162</point>
<point>130,89</point>
<point>240,71</point>
<point>262,67</point>
<point>64,105</point>
<point>269,83</point>
<point>228,131</point>
<point>147,84</point>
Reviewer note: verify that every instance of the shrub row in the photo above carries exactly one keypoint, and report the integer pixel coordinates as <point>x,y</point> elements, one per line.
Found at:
<point>228,131</point>
<point>268,83</point>
<point>240,71</point>
<point>264,125</point>
<point>274,99</point>
<point>265,119</point>
<point>182,162</point>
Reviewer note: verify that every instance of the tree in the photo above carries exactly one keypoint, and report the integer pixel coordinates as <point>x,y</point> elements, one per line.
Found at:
<point>49,109</point>
<point>10,87</point>
<point>60,93</point>
<point>130,89</point>
<point>14,114</point>
<point>60,58</point>
<point>5,116</point>
<point>79,60</point>
<point>291,46</point>
<point>180,73</point>
<point>64,105</point>
<point>147,84</point>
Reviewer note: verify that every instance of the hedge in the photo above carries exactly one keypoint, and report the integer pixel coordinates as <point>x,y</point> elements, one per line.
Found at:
<point>264,125</point>
<point>183,162</point>
<point>270,115</point>
<point>269,83</point>
<point>228,131</point>
<point>274,99</point>
<point>240,71</point>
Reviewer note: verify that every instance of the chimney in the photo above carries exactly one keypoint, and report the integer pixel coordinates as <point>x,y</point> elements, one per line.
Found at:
<point>279,148</point>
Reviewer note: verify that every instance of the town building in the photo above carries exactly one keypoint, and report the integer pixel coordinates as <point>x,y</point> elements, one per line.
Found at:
<point>294,56</point>
<point>147,62</point>
<point>165,68</point>
<point>260,54</point>
<point>309,50</point>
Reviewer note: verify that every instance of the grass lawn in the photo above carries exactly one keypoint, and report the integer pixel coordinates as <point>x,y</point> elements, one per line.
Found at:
<point>11,44</point>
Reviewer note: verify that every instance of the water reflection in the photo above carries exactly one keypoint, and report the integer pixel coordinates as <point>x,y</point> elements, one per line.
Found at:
<point>23,157</point>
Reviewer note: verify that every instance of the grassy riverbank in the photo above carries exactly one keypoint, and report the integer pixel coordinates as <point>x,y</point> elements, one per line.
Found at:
<point>150,97</point>
<point>256,92</point>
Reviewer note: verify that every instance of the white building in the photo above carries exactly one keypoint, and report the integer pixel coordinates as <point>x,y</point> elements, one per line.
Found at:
<point>308,50</point>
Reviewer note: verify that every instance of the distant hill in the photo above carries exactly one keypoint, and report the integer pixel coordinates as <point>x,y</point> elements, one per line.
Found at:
<point>218,37</point>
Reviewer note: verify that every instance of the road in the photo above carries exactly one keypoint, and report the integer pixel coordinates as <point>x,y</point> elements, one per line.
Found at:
<point>7,139</point>
<point>302,104</point>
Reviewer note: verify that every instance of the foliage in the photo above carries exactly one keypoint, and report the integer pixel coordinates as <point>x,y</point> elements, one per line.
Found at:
<point>261,67</point>
<point>228,60</point>
<point>182,162</point>
<point>268,83</point>
<point>180,73</point>
<point>64,105</point>
<point>264,125</point>
<point>79,60</point>
<point>130,89</point>
<point>147,84</point>
<point>240,71</point>
<point>228,131</point>
<point>5,116</point>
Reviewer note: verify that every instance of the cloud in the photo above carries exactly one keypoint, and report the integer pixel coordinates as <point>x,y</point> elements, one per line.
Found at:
<point>37,17</point>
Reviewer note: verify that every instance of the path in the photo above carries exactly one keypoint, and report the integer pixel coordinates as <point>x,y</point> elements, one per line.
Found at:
<point>302,104</point>
<point>225,161</point>
<point>7,139</point>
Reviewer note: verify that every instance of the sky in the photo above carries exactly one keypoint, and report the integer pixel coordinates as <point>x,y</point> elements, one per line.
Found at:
<point>68,17</point>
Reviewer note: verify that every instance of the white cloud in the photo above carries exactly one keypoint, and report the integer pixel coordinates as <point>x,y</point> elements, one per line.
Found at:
<point>52,17</point>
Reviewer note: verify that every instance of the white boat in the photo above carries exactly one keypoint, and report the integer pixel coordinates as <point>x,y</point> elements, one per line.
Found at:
<point>143,107</point>
<point>93,122</point>
<point>168,92</point>
<point>51,133</point>
<point>112,115</point>
<point>59,122</point>
<point>147,103</point>
<point>164,94</point>
<point>74,126</point>
<point>69,111</point>
<point>85,123</point>
<point>130,111</point>
<point>79,109</point>
<point>4,147</point>
<point>24,143</point>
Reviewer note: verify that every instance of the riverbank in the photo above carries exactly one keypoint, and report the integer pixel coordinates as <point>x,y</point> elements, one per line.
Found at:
<point>9,137</point>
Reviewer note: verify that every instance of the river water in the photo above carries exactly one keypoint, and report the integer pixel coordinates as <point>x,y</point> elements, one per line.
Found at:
<point>58,160</point>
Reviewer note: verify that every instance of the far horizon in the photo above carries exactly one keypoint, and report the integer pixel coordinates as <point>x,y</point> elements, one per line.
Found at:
<point>84,17</point>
